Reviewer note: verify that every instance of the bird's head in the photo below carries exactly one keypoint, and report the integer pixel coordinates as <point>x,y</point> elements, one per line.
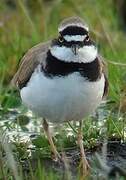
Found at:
<point>73,43</point>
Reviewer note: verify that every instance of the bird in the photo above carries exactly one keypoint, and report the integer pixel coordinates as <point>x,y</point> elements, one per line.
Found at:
<point>63,79</point>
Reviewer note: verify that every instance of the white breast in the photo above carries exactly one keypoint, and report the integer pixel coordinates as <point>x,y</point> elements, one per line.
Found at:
<point>62,98</point>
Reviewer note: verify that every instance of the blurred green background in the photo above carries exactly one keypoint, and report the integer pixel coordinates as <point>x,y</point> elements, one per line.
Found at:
<point>23,24</point>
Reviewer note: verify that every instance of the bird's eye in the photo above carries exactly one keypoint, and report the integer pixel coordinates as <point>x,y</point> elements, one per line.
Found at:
<point>87,38</point>
<point>61,39</point>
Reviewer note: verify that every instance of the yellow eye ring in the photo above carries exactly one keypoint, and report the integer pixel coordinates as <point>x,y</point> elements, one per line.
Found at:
<point>61,39</point>
<point>87,38</point>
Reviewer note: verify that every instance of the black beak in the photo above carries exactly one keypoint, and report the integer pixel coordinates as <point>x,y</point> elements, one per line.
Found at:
<point>75,48</point>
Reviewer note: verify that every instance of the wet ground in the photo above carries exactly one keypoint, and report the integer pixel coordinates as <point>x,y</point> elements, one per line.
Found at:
<point>106,161</point>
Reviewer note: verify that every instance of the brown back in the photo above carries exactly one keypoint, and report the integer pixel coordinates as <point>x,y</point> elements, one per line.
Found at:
<point>29,62</point>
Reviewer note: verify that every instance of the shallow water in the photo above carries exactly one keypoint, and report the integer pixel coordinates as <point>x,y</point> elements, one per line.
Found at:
<point>24,131</point>
<point>15,122</point>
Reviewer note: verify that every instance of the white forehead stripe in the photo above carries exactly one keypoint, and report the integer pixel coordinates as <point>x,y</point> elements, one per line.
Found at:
<point>61,28</point>
<point>86,54</point>
<point>70,38</point>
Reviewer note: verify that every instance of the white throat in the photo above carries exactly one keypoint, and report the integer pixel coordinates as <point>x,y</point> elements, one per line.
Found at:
<point>86,54</point>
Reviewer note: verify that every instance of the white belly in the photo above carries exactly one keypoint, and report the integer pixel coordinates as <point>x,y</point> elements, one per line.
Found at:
<point>62,98</point>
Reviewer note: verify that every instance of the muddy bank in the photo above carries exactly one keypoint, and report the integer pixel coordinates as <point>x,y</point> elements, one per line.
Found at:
<point>106,161</point>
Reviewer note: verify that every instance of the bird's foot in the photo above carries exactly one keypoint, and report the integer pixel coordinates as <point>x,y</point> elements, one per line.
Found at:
<point>84,168</point>
<point>56,157</point>
<point>61,158</point>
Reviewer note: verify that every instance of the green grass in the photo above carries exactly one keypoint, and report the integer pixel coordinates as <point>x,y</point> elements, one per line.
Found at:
<point>26,25</point>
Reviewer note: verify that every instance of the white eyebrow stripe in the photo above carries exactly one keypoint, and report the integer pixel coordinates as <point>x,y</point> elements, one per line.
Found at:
<point>61,28</point>
<point>70,38</point>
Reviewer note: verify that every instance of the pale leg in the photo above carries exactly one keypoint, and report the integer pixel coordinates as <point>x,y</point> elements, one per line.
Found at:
<point>84,165</point>
<point>56,155</point>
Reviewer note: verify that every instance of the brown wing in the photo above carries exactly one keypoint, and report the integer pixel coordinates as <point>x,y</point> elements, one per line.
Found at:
<point>29,62</point>
<point>106,87</point>
<point>105,72</point>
